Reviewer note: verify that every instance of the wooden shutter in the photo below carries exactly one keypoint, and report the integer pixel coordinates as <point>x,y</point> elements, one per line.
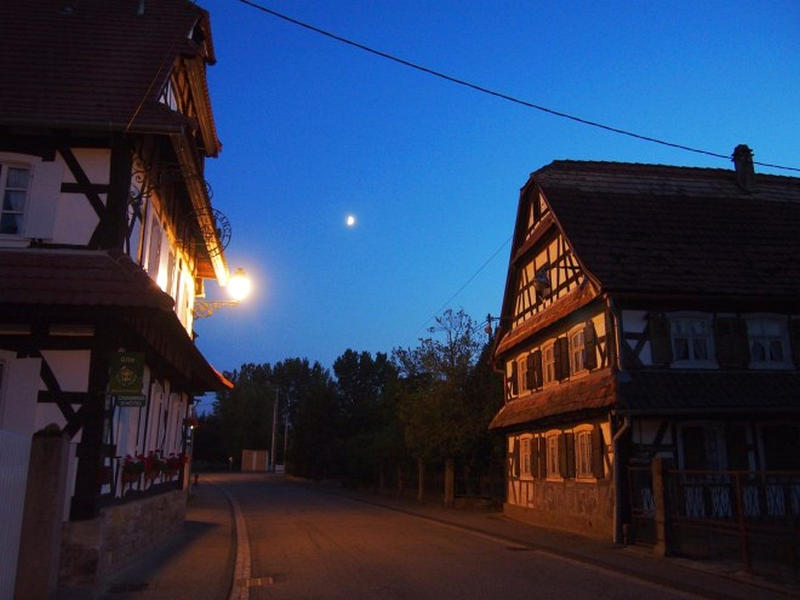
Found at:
<point>570,452</point>
<point>794,334</point>
<point>45,188</point>
<point>730,339</point>
<point>694,454</point>
<point>590,343</point>
<point>513,380</point>
<point>562,455</point>
<point>534,379</point>
<point>542,457</point>
<point>561,356</point>
<point>515,458</point>
<point>598,452</point>
<point>534,457</point>
<point>660,339</point>
<point>736,443</point>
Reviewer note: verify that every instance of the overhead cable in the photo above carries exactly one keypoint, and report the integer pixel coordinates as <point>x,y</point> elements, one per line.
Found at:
<point>500,95</point>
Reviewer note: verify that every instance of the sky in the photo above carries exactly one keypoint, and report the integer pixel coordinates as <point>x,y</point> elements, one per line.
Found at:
<point>314,130</point>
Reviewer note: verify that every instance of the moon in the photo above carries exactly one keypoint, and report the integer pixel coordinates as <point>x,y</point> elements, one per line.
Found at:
<point>350,220</point>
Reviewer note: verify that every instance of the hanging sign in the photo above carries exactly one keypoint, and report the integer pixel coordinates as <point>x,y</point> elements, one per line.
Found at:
<point>126,374</point>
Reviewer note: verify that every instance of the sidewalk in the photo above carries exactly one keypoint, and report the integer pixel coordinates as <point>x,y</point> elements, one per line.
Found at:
<point>197,564</point>
<point>706,579</point>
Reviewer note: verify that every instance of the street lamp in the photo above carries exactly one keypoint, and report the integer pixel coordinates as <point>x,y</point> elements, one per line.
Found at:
<point>239,286</point>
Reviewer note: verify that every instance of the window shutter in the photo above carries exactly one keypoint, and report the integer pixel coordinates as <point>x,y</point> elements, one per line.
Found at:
<point>513,380</point>
<point>597,452</point>
<point>590,343</point>
<point>736,442</point>
<point>515,459</point>
<point>535,458</point>
<point>562,455</point>
<point>534,364</point>
<point>694,456</point>
<point>730,339</point>
<point>542,457</point>
<point>43,196</point>
<point>570,452</point>
<point>660,340</point>
<point>794,334</point>
<point>561,356</point>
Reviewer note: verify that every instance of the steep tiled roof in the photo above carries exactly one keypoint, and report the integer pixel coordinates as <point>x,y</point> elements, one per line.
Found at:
<point>93,63</point>
<point>77,278</point>
<point>659,229</point>
<point>674,392</point>
<point>593,391</point>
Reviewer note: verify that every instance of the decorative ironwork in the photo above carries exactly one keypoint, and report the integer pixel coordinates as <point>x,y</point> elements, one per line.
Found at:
<point>210,229</point>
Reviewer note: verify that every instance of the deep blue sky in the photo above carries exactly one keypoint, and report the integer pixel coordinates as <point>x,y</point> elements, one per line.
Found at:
<point>313,130</point>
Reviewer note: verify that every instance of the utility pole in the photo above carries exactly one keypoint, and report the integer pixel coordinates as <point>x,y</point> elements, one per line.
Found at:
<point>285,433</point>
<point>274,419</point>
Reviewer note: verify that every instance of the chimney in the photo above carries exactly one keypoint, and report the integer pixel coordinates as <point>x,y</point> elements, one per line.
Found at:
<point>745,172</point>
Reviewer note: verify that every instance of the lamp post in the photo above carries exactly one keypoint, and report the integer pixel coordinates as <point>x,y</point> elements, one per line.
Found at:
<point>239,286</point>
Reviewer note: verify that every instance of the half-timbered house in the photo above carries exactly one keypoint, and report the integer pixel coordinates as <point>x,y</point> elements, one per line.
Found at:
<point>649,311</point>
<point>107,234</point>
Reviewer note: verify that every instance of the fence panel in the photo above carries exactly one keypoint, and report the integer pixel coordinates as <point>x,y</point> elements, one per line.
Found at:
<point>747,516</point>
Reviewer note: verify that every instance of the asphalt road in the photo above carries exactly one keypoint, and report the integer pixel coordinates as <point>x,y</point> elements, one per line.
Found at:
<point>308,543</point>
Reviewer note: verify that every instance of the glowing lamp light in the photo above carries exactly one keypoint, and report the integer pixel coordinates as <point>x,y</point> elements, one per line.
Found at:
<point>239,285</point>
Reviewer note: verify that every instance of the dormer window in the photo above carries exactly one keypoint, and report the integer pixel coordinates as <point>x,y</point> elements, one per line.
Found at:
<point>14,183</point>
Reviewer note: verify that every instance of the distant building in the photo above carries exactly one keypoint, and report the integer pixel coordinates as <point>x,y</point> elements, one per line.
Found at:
<point>106,236</point>
<point>650,311</point>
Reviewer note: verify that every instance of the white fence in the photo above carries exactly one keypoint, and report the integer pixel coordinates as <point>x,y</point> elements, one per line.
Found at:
<point>14,455</point>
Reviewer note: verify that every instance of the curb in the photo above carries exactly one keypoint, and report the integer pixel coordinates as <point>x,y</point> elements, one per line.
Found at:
<point>241,568</point>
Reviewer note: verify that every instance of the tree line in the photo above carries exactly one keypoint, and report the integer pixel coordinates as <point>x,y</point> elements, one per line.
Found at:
<point>374,418</point>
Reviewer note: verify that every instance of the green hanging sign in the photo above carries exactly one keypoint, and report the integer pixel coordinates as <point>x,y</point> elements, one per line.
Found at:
<point>126,373</point>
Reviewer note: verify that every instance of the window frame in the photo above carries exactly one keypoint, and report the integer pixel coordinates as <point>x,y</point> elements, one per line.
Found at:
<point>575,369</point>
<point>691,362</point>
<point>525,466</point>
<point>584,469</point>
<point>549,347</point>
<point>553,466</point>
<point>783,337</point>
<point>5,166</point>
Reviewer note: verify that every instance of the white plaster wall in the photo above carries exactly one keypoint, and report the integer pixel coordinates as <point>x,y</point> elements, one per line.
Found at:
<point>75,218</point>
<point>635,321</point>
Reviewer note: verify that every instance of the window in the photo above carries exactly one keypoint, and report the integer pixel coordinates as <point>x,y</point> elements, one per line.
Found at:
<point>553,465</point>
<point>583,453</point>
<point>525,457</point>
<point>14,183</point>
<point>691,340</point>
<point>577,351</point>
<point>548,364</point>
<point>522,373</point>
<point>769,347</point>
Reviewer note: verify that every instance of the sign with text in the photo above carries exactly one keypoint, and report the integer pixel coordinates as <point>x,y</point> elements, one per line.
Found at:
<point>126,374</point>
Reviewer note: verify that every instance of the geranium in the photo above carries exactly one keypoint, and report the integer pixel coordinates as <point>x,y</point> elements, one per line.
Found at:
<point>176,461</point>
<point>133,466</point>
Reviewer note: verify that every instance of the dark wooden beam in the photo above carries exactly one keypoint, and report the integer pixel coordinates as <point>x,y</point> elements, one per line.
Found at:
<point>77,188</point>
<point>111,230</point>
<point>82,179</point>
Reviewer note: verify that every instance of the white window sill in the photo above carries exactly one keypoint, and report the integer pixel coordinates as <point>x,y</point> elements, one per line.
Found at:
<point>770,365</point>
<point>694,364</point>
<point>554,479</point>
<point>586,479</point>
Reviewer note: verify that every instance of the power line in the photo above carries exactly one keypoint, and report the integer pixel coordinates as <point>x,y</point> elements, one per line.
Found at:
<point>466,283</point>
<point>500,95</point>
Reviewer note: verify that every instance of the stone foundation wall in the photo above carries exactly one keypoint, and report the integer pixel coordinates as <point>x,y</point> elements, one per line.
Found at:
<point>92,551</point>
<point>578,507</point>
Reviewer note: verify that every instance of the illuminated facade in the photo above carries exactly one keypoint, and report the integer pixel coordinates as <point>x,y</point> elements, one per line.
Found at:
<point>107,234</point>
<point>649,311</point>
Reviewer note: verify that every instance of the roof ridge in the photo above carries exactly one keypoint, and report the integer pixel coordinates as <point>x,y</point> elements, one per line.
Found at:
<point>608,167</point>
